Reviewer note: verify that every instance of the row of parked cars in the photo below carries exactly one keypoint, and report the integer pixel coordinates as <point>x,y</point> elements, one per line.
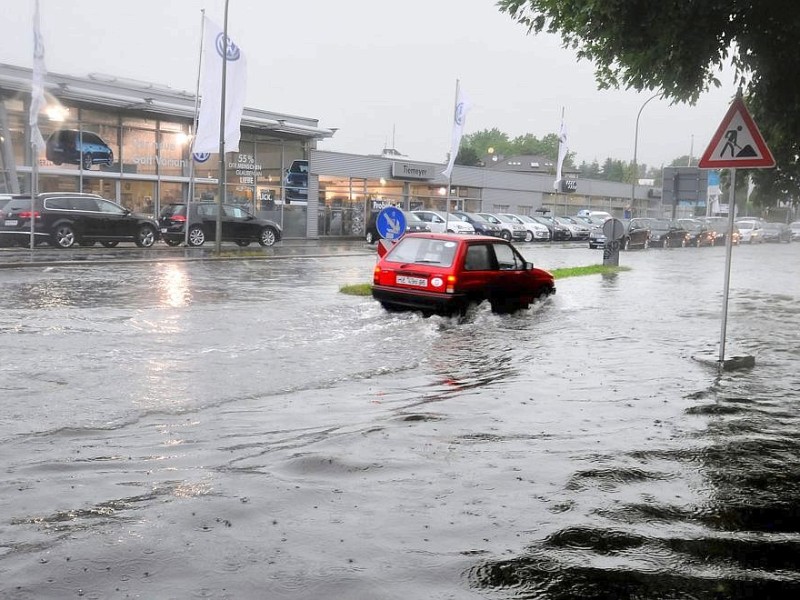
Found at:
<point>758,231</point>
<point>64,220</point>
<point>693,232</point>
<point>508,226</point>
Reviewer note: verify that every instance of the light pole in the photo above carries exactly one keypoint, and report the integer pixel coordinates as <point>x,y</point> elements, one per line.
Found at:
<point>635,149</point>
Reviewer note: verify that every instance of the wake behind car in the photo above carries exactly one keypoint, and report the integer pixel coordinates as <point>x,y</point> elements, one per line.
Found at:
<point>64,219</point>
<point>238,225</point>
<point>441,273</point>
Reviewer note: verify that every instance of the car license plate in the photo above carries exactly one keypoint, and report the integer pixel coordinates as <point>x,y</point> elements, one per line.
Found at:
<point>418,281</point>
<point>164,230</point>
<point>11,222</point>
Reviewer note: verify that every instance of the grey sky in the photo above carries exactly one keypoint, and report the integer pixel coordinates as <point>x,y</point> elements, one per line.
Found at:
<point>371,67</point>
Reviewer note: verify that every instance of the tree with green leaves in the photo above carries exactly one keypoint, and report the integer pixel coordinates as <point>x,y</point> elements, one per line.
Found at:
<point>680,47</point>
<point>479,144</point>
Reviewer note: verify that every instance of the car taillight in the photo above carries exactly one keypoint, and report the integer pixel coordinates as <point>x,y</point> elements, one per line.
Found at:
<point>179,218</point>
<point>451,284</point>
<point>376,275</point>
<point>26,214</point>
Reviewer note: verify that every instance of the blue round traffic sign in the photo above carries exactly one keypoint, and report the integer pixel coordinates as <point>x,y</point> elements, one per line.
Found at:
<point>391,223</point>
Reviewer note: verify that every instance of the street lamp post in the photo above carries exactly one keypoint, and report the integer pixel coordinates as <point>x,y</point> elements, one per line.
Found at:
<point>635,149</point>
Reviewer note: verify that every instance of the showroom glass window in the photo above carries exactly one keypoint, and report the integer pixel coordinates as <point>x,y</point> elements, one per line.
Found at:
<point>138,153</point>
<point>173,149</point>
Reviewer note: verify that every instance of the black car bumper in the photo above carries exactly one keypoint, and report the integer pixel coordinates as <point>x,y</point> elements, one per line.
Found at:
<point>402,299</point>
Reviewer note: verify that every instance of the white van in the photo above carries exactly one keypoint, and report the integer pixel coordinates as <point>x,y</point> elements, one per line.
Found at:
<point>595,214</point>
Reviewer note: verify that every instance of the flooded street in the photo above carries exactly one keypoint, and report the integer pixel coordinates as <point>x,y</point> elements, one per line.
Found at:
<point>243,430</point>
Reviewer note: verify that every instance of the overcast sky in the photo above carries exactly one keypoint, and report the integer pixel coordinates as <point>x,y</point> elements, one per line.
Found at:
<point>381,72</point>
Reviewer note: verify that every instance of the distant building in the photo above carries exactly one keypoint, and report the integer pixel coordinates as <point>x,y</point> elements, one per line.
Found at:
<point>524,163</point>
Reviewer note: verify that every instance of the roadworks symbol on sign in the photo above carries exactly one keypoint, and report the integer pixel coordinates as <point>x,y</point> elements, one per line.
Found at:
<point>737,143</point>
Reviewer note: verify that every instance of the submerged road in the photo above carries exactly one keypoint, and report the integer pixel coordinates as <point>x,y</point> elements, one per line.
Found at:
<point>241,429</point>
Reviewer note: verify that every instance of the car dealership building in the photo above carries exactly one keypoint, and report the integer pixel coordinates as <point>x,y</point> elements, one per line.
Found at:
<point>129,141</point>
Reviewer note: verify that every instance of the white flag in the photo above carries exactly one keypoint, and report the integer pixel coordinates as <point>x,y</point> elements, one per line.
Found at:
<point>459,116</point>
<point>562,152</point>
<point>37,81</point>
<point>214,48</point>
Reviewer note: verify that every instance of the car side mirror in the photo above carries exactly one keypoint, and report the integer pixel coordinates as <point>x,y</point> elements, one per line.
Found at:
<point>529,266</point>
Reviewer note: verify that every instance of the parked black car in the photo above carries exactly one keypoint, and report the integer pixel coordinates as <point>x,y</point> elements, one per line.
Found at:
<point>666,233</point>
<point>413,225</point>
<point>64,219</point>
<point>719,225</point>
<point>481,225</point>
<point>558,232</point>
<point>699,233</point>
<point>637,234</point>
<point>238,225</point>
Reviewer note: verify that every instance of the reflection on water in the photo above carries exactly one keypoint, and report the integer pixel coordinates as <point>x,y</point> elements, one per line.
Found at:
<point>174,286</point>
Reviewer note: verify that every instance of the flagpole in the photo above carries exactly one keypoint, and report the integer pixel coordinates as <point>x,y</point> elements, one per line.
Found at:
<point>37,102</point>
<point>34,190</point>
<point>218,245</point>
<point>450,175</point>
<point>194,129</point>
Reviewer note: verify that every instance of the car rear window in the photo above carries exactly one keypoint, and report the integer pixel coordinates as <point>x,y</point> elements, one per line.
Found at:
<point>170,210</point>
<point>423,251</point>
<point>18,204</point>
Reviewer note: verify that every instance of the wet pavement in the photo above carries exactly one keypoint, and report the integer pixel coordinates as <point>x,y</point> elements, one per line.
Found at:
<point>241,429</point>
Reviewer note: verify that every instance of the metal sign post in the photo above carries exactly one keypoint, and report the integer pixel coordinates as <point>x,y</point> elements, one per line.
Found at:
<point>728,254</point>
<point>736,143</point>
<point>614,230</point>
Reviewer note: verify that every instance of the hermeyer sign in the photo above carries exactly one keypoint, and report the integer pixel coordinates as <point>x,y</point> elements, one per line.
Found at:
<point>406,170</point>
<point>569,185</point>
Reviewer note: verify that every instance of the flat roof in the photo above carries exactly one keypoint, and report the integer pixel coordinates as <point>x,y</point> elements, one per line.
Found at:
<point>109,91</point>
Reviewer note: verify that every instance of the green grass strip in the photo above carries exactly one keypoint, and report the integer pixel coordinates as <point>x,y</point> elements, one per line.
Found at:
<point>589,270</point>
<point>365,289</point>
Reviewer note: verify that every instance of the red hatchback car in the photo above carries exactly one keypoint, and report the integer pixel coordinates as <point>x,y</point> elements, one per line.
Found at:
<point>443,273</point>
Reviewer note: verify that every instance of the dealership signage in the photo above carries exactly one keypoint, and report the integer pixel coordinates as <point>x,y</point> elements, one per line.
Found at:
<point>407,170</point>
<point>246,168</point>
<point>569,185</point>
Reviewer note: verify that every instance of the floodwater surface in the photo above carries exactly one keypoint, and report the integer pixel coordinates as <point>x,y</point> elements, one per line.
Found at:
<point>244,430</point>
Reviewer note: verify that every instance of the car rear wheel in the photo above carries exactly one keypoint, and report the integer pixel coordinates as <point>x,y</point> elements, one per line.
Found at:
<point>242,243</point>
<point>268,237</point>
<point>197,236</point>
<point>627,245</point>
<point>63,236</point>
<point>110,244</point>
<point>87,161</point>
<point>145,237</point>
<point>506,235</point>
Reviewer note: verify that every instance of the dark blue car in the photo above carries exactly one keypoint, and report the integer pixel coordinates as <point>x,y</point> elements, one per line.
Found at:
<point>78,148</point>
<point>297,182</point>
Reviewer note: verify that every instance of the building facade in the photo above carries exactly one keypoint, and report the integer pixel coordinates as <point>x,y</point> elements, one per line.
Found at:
<point>130,141</point>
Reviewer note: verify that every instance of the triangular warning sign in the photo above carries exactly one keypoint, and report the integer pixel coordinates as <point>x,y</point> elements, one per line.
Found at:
<point>737,143</point>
